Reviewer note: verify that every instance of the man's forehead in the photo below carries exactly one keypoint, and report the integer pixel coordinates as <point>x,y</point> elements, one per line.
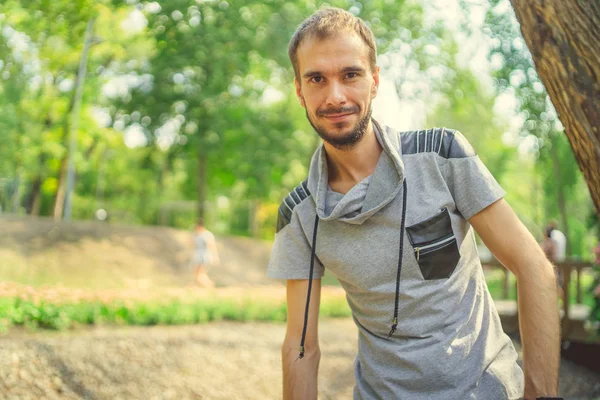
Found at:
<point>330,52</point>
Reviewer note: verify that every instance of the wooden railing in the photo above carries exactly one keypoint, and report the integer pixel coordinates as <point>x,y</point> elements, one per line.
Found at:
<point>567,268</point>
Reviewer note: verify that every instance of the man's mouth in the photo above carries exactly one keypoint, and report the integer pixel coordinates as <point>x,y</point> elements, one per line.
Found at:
<point>337,117</point>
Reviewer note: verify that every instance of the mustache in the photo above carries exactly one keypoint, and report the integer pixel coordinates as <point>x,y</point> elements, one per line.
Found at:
<point>339,110</point>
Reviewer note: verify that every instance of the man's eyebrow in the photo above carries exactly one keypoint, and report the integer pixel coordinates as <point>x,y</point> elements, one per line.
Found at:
<point>311,74</point>
<point>353,69</point>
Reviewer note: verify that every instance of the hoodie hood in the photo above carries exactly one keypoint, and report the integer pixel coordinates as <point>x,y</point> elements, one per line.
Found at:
<point>384,184</point>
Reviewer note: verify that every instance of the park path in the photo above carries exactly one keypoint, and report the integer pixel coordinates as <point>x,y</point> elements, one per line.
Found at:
<point>219,360</point>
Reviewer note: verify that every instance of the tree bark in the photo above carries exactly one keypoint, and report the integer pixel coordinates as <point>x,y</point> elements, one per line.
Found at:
<point>564,39</point>
<point>34,201</point>
<point>201,184</point>
<point>59,200</point>
<point>16,196</point>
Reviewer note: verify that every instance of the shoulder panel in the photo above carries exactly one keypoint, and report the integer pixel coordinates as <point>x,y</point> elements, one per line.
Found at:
<point>455,145</point>
<point>295,197</point>
<point>448,143</point>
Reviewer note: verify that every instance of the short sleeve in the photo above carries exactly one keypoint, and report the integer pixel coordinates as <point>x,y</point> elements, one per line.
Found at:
<point>472,185</point>
<point>291,253</point>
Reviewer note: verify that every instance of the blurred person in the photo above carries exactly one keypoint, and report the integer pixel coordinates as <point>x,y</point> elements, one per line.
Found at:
<point>550,247</point>
<point>391,215</point>
<point>560,239</point>
<point>205,254</point>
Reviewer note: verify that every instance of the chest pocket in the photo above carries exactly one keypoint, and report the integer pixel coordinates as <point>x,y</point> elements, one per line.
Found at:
<point>435,246</point>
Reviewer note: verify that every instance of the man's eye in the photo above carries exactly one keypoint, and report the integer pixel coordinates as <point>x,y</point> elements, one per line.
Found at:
<point>317,79</point>
<point>351,75</point>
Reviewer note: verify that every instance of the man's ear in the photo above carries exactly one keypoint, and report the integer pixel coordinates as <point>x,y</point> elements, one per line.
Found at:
<point>375,87</point>
<point>299,93</point>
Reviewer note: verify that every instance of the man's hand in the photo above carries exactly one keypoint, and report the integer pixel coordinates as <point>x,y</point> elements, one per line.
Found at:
<point>514,246</point>
<point>300,375</point>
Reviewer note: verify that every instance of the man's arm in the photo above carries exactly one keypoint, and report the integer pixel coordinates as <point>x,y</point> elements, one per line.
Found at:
<point>514,246</point>
<point>300,375</point>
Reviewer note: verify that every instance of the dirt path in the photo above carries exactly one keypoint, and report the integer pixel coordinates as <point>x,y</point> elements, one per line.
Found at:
<point>214,361</point>
<point>222,360</point>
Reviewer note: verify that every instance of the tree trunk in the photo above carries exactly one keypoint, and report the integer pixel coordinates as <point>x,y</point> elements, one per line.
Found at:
<point>201,184</point>
<point>16,197</point>
<point>33,203</point>
<point>564,41</point>
<point>79,82</point>
<point>59,200</point>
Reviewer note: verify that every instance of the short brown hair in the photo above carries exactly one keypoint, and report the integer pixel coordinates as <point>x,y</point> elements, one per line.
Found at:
<point>327,23</point>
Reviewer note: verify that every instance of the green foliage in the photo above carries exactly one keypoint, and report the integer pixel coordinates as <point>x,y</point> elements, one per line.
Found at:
<point>466,106</point>
<point>61,316</point>
<point>175,86</point>
<point>201,82</point>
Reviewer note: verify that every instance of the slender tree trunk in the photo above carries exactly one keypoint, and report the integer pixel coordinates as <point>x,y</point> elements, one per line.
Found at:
<point>201,184</point>
<point>75,119</point>
<point>564,41</point>
<point>16,197</point>
<point>33,205</point>
<point>59,200</point>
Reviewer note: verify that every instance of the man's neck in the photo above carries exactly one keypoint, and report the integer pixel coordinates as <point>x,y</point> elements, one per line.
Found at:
<point>348,167</point>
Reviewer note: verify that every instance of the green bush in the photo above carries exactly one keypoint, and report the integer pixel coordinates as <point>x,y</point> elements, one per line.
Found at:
<point>45,315</point>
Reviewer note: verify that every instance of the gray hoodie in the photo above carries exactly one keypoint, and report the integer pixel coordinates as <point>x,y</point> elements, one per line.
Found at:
<point>403,250</point>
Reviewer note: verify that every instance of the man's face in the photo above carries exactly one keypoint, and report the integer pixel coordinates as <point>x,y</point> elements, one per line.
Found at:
<point>336,86</point>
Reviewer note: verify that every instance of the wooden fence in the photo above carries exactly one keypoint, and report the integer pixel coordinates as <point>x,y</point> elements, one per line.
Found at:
<point>570,314</point>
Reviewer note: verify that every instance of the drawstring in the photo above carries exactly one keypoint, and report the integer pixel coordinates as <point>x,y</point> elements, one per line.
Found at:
<point>312,263</point>
<point>395,320</point>
<point>310,278</point>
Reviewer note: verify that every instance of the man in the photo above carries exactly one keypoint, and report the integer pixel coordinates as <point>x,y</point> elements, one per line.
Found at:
<point>390,216</point>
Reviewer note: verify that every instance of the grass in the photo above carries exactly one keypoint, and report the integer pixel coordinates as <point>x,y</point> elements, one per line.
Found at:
<point>37,313</point>
<point>62,308</point>
<point>59,312</point>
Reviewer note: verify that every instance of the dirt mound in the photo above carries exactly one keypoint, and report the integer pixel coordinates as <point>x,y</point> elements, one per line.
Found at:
<point>88,254</point>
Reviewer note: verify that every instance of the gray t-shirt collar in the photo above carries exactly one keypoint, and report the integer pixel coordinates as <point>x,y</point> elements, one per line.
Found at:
<point>384,184</point>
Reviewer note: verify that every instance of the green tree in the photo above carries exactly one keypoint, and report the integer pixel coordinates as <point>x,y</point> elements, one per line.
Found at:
<point>214,64</point>
<point>53,34</point>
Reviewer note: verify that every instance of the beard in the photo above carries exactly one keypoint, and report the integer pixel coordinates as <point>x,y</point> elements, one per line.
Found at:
<point>347,140</point>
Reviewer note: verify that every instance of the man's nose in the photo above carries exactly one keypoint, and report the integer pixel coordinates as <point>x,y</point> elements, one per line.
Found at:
<point>336,95</point>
